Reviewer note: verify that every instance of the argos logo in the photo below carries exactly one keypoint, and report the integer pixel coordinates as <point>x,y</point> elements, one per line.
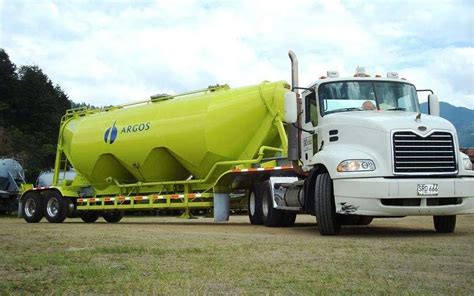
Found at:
<point>112,132</point>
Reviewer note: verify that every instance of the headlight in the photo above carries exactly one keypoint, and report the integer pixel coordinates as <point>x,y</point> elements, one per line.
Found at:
<point>467,164</point>
<point>356,165</point>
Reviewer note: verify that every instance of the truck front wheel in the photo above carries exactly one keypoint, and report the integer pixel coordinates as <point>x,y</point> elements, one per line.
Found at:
<point>255,206</point>
<point>32,209</point>
<point>444,224</point>
<point>325,208</point>
<point>113,217</point>
<point>57,208</point>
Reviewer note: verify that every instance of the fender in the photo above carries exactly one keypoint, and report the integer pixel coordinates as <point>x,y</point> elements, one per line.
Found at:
<point>333,155</point>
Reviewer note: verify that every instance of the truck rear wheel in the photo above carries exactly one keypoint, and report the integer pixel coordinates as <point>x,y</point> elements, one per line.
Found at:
<point>57,207</point>
<point>444,224</point>
<point>32,209</point>
<point>89,216</point>
<point>255,206</point>
<point>325,208</point>
<point>288,219</point>
<point>113,217</point>
<point>271,216</point>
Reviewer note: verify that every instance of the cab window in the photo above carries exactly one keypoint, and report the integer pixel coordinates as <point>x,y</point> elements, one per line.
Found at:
<point>311,114</point>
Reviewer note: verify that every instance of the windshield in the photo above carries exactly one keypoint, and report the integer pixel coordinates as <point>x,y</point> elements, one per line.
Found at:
<point>367,95</point>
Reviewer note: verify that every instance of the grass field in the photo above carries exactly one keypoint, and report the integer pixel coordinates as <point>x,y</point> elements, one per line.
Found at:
<point>172,256</point>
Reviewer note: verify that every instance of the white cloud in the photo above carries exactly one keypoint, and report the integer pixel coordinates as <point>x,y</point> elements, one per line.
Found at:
<point>113,52</point>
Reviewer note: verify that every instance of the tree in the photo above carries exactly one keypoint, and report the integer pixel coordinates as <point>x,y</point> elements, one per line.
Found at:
<point>31,108</point>
<point>8,79</point>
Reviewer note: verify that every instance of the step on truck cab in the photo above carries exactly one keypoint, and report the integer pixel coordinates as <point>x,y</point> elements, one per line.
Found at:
<point>345,150</point>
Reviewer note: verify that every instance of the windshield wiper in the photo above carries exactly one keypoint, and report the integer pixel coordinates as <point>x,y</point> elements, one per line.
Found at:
<point>396,109</point>
<point>344,109</point>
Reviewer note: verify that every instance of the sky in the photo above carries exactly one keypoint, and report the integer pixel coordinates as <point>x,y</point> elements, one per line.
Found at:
<point>113,52</point>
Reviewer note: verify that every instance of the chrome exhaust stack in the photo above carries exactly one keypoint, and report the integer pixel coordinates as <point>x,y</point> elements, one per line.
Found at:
<point>293,133</point>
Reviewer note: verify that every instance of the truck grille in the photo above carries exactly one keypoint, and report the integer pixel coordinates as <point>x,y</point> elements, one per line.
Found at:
<point>414,154</point>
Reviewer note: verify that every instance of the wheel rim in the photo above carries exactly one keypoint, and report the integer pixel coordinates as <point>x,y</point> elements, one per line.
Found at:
<point>265,206</point>
<point>30,207</point>
<point>52,207</point>
<point>252,204</point>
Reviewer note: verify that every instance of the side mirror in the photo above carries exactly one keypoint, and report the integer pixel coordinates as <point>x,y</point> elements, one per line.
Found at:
<point>433,105</point>
<point>291,111</point>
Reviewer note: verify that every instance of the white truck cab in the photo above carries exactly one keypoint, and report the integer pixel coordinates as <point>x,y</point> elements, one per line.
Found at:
<point>367,151</point>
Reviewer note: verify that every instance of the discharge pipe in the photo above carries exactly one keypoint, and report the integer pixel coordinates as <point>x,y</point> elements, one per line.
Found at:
<point>293,133</point>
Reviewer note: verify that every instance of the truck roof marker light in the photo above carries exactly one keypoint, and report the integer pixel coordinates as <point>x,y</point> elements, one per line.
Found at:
<point>322,77</point>
<point>360,72</point>
<point>393,75</point>
<point>378,76</point>
<point>332,74</point>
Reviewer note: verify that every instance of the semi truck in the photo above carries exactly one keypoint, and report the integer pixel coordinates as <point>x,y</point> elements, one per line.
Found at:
<point>345,150</point>
<point>12,177</point>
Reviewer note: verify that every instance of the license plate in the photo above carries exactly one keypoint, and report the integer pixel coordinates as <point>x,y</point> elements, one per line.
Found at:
<point>428,189</point>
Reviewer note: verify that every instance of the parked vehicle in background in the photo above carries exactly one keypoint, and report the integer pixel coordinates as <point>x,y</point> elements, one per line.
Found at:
<point>45,178</point>
<point>346,150</point>
<point>12,176</point>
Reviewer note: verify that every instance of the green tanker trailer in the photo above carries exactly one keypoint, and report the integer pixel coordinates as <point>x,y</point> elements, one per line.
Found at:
<point>345,150</point>
<point>169,152</point>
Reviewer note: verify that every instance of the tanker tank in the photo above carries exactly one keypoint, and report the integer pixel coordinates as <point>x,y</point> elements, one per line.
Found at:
<point>174,138</point>
<point>12,176</point>
<point>45,178</point>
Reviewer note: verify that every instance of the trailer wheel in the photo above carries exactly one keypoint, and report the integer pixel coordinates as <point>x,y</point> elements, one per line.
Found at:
<point>271,216</point>
<point>57,207</point>
<point>89,216</point>
<point>255,206</point>
<point>32,209</point>
<point>113,217</point>
<point>325,208</point>
<point>444,224</point>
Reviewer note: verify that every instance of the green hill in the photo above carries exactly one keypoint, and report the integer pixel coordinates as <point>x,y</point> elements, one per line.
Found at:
<point>462,118</point>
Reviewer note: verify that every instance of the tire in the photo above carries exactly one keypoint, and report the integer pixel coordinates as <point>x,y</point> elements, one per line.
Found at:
<point>271,217</point>
<point>90,216</point>
<point>113,217</point>
<point>444,224</point>
<point>365,220</point>
<point>325,208</point>
<point>354,219</point>
<point>56,208</point>
<point>254,208</point>
<point>288,219</point>
<point>32,208</point>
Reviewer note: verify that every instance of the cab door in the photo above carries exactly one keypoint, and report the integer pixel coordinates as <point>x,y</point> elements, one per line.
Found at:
<point>309,123</point>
